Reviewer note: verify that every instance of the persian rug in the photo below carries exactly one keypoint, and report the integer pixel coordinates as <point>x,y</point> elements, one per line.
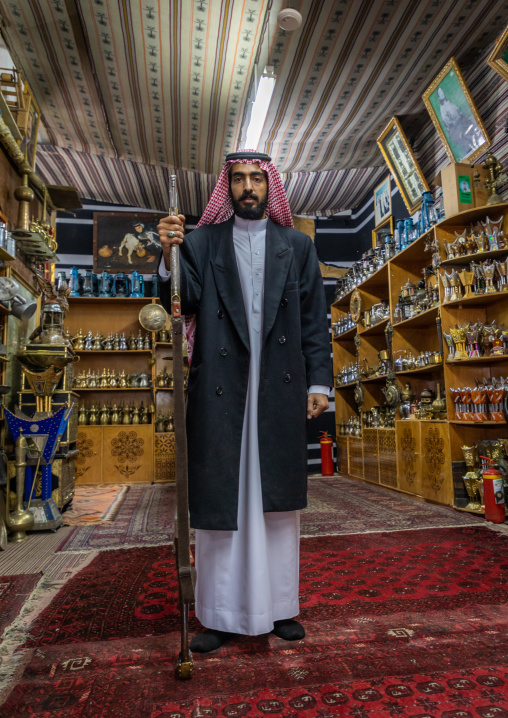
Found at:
<point>133,592</point>
<point>344,506</point>
<point>95,505</point>
<point>336,506</point>
<point>146,518</point>
<point>14,590</point>
<point>407,623</point>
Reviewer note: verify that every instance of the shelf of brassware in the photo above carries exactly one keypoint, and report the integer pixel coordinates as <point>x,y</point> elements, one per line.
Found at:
<point>424,450</point>
<point>148,456</point>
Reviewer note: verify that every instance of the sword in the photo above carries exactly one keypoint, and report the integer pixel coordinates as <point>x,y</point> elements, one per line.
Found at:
<point>185,572</point>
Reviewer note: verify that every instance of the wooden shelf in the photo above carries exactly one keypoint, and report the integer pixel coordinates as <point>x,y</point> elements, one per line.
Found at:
<point>478,360</point>
<point>428,369</point>
<point>4,310</point>
<point>481,299</point>
<point>375,330</point>
<point>476,423</point>
<point>112,351</point>
<point>5,256</point>
<point>414,252</point>
<point>382,377</point>
<point>110,300</point>
<point>349,385</point>
<point>467,258</point>
<point>470,215</point>
<point>122,388</point>
<point>345,300</point>
<point>164,388</point>
<point>378,279</point>
<point>163,344</point>
<point>419,320</point>
<point>349,334</point>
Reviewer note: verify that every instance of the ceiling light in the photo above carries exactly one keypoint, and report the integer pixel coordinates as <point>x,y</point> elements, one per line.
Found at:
<point>289,19</point>
<point>259,110</point>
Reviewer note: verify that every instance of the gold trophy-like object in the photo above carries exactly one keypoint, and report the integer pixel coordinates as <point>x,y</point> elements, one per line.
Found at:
<point>472,478</point>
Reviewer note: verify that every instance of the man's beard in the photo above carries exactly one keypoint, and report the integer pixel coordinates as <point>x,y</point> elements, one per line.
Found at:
<point>249,212</point>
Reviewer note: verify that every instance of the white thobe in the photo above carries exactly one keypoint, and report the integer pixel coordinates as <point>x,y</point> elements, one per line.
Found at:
<point>247,579</point>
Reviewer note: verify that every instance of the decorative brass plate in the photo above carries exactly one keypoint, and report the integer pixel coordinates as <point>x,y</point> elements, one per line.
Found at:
<point>355,305</point>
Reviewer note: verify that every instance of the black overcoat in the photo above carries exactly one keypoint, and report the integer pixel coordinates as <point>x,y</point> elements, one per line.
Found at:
<point>295,354</point>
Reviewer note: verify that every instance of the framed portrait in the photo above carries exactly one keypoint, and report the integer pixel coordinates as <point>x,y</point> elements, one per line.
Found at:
<point>382,202</point>
<point>382,230</point>
<point>498,58</point>
<point>455,116</point>
<point>402,164</point>
<point>124,241</point>
<point>28,123</point>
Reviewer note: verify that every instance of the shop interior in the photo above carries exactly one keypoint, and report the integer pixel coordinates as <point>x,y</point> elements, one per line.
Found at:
<point>388,122</point>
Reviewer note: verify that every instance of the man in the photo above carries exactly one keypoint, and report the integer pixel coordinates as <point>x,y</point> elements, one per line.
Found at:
<point>461,130</point>
<point>261,340</point>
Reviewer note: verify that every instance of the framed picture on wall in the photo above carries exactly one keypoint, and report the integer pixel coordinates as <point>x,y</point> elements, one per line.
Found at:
<point>124,241</point>
<point>498,58</point>
<point>455,116</point>
<point>28,123</point>
<point>402,164</point>
<point>382,202</point>
<point>381,231</point>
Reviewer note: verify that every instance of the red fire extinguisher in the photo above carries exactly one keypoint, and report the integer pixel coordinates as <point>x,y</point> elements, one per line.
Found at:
<point>326,442</point>
<point>493,494</point>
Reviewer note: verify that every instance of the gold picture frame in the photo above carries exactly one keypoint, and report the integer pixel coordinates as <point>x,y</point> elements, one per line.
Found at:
<point>402,164</point>
<point>28,124</point>
<point>385,228</point>
<point>454,114</point>
<point>498,58</point>
<point>382,202</point>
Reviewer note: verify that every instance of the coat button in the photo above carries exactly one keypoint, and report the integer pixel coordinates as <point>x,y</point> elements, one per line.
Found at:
<point>282,340</point>
<point>223,351</point>
<point>287,378</point>
<point>218,391</point>
<point>284,302</point>
<point>220,314</point>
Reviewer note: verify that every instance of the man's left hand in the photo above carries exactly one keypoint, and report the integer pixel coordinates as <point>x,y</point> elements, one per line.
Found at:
<point>316,404</point>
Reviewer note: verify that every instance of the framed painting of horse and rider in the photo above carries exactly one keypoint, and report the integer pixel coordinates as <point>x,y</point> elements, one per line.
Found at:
<point>124,241</point>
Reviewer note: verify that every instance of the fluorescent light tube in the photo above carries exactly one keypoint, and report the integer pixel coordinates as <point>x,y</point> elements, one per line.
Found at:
<point>259,111</point>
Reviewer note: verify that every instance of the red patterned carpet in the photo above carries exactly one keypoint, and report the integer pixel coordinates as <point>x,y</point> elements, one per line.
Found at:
<point>14,590</point>
<point>409,623</point>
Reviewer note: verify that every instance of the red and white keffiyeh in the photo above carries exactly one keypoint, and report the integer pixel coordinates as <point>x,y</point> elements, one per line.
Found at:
<point>220,208</point>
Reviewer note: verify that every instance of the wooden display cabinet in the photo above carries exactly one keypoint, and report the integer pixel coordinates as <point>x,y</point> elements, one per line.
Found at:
<point>121,453</point>
<point>416,457</point>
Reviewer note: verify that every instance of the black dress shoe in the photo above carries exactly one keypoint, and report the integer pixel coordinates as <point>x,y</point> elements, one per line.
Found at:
<point>289,630</point>
<point>209,640</point>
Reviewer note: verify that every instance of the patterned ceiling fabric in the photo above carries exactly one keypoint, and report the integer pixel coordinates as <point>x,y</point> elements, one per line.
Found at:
<point>156,83</point>
<point>353,65</point>
<point>130,90</point>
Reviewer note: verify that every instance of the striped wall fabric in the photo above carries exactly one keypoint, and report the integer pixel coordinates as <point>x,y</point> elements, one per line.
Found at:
<point>131,91</point>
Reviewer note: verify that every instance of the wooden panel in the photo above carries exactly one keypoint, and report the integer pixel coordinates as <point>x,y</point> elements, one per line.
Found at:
<point>355,457</point>
<point>437,481</point>
<point>128,454</point>
<point>89,459</point>
<point>387,458</point>
<point>407,438</point>
<point>164,468</point>
<point>370,456</point>
<point>342,452</point>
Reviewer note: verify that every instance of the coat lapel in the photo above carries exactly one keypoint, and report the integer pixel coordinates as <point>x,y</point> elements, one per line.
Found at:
<point>277,262</point>
<point>227,281</point>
